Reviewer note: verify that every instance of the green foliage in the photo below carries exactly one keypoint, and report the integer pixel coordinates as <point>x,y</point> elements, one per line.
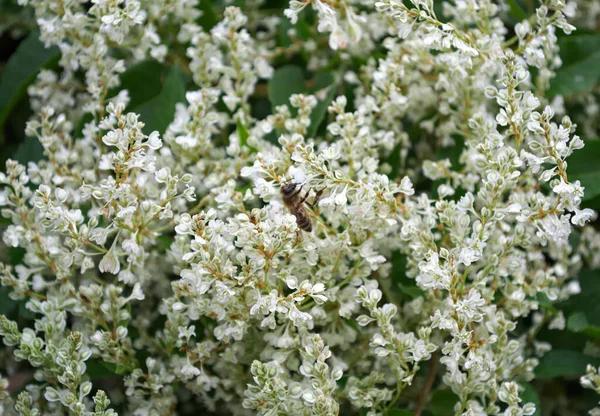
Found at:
<point>560,362</point>
<point>6,304</point>
<point>578,322</point>
<point>157,112</point>
<point>324,83</point>
<point>243,134</point>
<point>209,17</point>
<point>143,81</point>
<point>403,283</point>
<point>584,166</point>
<point>289,80</point>
<point>29,150</point>
<point>286,81</point>
<point>530,396</point>
<point>442,402</point>
<point>516,10</point>
<point>21,70</point>
<point>399,412</point>
<point>581,59</point>
<point>585,303</point>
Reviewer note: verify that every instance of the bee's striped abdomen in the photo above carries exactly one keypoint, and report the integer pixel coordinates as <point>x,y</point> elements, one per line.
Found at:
<point>303,219</point>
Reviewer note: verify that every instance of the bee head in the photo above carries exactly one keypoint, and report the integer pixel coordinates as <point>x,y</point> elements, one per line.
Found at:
<point>288,188</point>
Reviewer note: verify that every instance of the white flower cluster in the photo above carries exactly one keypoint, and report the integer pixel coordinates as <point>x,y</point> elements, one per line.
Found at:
<point>173,261</point>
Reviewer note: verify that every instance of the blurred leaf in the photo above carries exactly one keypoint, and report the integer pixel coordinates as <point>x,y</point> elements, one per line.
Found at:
<point>7,305</point>
<point>158,112</point>
<point>164,241</point>
<point>9,7</point>
<point>586,301</point>
<point>399,412</point>
<point>325,92</point>
<point>530,395</point>
<point>25,313</point>
<point>544,302</point>
<point>21,70</point>
<point>243,134</point>
<point>16,255</point>
<point>516,10</point>
<point>581,59</point>
<point>286,81</point>
<point>322,80</point>
<point>143,81</point>
<point>442,402</point>
<point>394,159</point>
<point>96,369</point>
<point>209,17</point>
<point>412,291</point>
<point>583,166</point>
<point>302,29</point>
<point>30,150</point>
<point>589,181</point>
<point>577,322</point>
<point>399,278</point>
<point>559,362</point>
<point>452,153</point>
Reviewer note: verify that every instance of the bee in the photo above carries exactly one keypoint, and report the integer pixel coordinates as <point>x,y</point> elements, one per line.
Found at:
<point>295,203</point>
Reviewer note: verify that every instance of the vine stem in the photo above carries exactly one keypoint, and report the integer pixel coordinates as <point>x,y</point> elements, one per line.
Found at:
<point>427,386</point>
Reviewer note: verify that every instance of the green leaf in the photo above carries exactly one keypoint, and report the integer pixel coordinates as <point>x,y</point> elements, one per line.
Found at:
<point>412,291</point>
<point>158,112</point>
<point>544,302</point>
<point>399,278</point>
<point>442,402</point>
<point>243,134</point>
<point>586,301</point>
<point>16,255</point>
<point>98,369</point>
<point>143,81</point>
<point>529,395</point>
<point>583,166</point>
<point>302,29</point>
<point>21,70</point>
<point>286,81</point>
<point>516,10</point>
<point>589,181</point>
<point>164,241</point>
<point>557,363</point>
<point>325,92</point>
<point>25,313</point>
<point>577,322</point>
<point>581,57</point>
<point>7,305</point>
<point>9,7</point>
<point>209,17</point>
<point>399,412</point>
<point>30,150</point>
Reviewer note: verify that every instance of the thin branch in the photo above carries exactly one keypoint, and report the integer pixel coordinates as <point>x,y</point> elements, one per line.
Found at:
<point>427,386</point>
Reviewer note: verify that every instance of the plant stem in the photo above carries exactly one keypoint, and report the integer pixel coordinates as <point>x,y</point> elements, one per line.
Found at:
<point>427,386</point>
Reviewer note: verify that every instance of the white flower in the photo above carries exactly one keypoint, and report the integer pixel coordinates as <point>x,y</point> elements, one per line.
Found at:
<point>137,292</point>
<point>110,263</point>
<point>154,141</point>
<point>432,275</point>
<point>583,216</point>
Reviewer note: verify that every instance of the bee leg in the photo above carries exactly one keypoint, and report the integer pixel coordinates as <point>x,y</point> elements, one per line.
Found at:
<point>298,191</point>
<point>317,198</point>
